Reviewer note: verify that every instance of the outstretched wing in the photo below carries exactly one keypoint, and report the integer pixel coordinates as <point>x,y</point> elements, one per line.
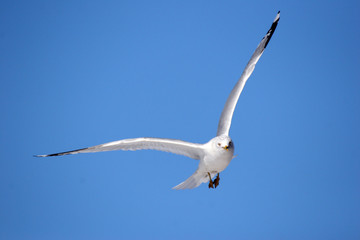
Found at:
<point>192,150</point>
<point>227,113</point>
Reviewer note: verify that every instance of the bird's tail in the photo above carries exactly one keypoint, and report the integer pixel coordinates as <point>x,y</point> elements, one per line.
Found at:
<point>193,181</point>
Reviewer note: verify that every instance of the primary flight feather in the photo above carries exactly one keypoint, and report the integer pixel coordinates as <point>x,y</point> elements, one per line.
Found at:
<point>214,155</point>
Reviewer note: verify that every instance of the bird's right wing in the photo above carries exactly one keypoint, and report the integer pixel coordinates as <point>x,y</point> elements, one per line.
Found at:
<point>227,113</point>
<point>192,150</point>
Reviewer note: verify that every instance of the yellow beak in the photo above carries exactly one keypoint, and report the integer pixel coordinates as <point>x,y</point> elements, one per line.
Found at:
<point>226,148</point>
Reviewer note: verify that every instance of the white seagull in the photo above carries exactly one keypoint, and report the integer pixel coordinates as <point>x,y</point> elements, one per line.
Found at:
<point>214,155</point>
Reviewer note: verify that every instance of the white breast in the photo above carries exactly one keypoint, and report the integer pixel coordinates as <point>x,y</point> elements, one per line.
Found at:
<point>216,161</point>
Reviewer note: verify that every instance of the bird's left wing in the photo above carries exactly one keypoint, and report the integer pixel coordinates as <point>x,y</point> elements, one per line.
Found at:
<point>192,150</point>
<point>227,113</point>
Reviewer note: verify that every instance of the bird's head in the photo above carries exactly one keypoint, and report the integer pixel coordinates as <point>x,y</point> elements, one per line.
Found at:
<point>225,143</point>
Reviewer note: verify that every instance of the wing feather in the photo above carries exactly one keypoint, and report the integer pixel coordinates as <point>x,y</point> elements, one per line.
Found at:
<point>227,113</point>
<point>192,150</point>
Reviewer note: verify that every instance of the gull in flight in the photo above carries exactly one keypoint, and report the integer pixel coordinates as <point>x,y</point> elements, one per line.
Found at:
<point>214,155</point>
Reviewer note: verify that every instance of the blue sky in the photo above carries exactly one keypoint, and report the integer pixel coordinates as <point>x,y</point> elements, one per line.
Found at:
<point>79,73</point>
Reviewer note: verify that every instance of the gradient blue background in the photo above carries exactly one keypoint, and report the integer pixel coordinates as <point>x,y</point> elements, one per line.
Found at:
<point>80,73</point>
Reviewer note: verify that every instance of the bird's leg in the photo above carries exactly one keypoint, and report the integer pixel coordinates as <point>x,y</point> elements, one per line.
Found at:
<point>210,182</point>
<point>217,180</point>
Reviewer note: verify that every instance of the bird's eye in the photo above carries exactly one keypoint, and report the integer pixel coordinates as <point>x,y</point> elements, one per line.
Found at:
<point>219,144</point>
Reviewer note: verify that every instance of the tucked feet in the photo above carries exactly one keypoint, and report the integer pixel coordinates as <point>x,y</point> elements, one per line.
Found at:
<point>217,180</point>
<point>210,181</point>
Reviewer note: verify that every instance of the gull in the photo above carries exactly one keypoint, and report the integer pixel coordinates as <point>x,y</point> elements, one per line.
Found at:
<point>214,155</point>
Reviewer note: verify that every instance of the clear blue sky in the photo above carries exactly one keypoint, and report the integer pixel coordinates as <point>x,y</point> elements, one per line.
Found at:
<point>79,73</point>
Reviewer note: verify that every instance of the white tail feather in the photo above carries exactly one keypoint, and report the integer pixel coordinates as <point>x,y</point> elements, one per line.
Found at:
<point>193,181</point>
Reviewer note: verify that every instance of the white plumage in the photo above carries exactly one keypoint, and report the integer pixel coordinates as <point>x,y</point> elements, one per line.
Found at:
<point>214,155</point>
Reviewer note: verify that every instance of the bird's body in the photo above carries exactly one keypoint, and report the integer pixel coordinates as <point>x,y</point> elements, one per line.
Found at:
<point>214,155</point>
<point>218,153</point>
<point>217,157</point>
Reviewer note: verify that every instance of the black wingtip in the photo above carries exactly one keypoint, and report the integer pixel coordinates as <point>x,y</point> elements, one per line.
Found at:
<point>272,29</point>
<point>61,153</point>
<point>39,156</point>
<point>277,17</point>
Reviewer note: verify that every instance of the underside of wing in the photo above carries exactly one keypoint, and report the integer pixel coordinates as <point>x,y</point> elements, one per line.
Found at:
<point>227,113</point>
<point>192,150</point>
